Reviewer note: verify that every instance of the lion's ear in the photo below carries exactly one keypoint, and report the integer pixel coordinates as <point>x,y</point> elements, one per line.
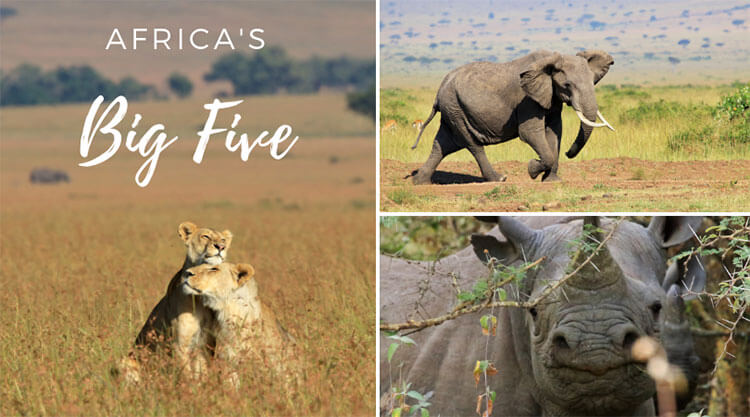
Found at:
<point>244,273</point>
<point>228,236</point>
<point>186,230</point>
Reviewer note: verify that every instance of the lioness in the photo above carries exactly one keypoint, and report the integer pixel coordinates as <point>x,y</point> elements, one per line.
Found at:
<point>177,318</point>
<point>246,328</point>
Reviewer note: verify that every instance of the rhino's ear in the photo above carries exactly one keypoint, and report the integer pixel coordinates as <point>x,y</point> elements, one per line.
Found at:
<point>672,230</point>
<point>691,279</point>
<point>486,246</point>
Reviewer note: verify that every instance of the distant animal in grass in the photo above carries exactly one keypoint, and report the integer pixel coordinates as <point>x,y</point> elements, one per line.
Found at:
<point>417,124</point>
<point>389,126</point>
<point>48,176</point>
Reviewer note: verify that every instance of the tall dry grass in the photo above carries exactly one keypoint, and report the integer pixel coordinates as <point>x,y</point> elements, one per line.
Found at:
<point>84,263</point>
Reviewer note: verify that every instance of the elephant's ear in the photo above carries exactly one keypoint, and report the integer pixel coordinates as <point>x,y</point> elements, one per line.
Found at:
<point>536,80</point>
<point>599,62</point>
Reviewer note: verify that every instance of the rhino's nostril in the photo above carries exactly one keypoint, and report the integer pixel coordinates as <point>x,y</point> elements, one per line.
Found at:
<point>560,343</point>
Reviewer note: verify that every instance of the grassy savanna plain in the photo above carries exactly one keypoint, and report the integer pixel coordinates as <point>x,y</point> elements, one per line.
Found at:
<point>84,263</point>
<point>668,153</point>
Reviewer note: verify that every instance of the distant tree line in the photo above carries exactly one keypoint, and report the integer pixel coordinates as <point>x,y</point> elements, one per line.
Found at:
<point>267,71</point>
<point>28,85</point>
<point>271,70</point>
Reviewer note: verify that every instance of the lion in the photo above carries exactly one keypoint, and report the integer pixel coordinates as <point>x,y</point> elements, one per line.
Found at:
<point>247,330</point>
<point>177,320</point>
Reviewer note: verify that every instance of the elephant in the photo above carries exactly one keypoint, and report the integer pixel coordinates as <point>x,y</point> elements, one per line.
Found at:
<point>485,103</point>
<point>570,354</point>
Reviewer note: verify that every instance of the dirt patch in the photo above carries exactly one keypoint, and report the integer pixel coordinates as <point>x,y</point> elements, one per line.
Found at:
<point>616,184</point>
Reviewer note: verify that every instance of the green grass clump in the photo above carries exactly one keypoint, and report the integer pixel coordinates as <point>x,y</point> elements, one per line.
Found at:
<point>498,193</point>
<point>659,110</point>
<point>729,128</point>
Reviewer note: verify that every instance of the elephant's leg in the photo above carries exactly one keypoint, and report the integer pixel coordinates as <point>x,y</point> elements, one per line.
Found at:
<point>533,132</point>
<point>442,146</point>
<point>484,164</point>
<point>553,131</point>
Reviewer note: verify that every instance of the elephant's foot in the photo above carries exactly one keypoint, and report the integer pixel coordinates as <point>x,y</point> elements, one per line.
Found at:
<point>495,177</point>
<point>421,178</point>
<point>535,168</point>
<point>552,177</point>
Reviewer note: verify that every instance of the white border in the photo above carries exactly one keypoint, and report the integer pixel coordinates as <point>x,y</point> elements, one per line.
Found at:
<point>377,208</point>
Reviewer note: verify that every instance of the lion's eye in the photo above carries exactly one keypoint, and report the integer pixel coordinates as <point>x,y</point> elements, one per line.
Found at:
<point>214,269</point>
<point>205,237</point>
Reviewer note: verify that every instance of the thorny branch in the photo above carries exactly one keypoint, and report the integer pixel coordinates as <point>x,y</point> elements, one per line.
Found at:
<point>464,308</point>
<point>735,279</point>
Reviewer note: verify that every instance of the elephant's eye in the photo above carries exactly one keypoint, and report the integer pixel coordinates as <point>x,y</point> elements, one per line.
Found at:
<point>567,85</point>
<point>533,312</point>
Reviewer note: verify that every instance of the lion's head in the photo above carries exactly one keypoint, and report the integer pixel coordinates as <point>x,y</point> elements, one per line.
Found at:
<point>218,284</point>
<point>204,245</point>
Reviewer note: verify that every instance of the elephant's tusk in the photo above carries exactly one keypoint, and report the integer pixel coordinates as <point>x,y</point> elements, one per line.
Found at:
<point>587,121</point>
<point>598,113</point>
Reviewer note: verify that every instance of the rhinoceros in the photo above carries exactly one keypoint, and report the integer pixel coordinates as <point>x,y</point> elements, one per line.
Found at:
<point>571,353</point>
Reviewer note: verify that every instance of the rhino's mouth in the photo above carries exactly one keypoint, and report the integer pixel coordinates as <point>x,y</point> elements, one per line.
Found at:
<point>612,387</point>
<point>598,370</point>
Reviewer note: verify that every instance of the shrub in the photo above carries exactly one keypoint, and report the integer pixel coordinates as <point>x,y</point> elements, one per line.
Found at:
<point>735,105</point>
<point>362,101</point>
<point>180,84</point>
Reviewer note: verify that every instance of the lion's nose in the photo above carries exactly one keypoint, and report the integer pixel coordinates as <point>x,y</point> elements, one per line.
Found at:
<point>219,246</point>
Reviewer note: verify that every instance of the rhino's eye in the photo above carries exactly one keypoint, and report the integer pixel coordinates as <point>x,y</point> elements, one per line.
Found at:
<point>655,309</point>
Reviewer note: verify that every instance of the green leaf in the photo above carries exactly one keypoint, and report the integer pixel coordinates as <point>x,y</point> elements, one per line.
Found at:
<point>484,322</point>
<point>403,339</point>
<point>501,294</point>
<point>425,413</point>
<point>397,412</point>
<point>492,396</point>
<point>391,350</point>
<point>417,396</point>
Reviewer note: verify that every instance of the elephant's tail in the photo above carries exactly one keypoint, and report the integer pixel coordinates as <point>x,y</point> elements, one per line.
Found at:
<point>424,125</point>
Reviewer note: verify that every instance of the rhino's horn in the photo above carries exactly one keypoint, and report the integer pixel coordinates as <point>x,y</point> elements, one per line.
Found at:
<point>602,270</point>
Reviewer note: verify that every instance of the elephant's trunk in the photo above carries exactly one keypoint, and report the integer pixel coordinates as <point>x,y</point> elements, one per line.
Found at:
<point>588,111</point>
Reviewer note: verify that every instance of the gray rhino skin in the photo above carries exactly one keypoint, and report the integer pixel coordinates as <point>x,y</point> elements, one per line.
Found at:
<point>48,176</point>
<point>485,103</point>
<point>571,356</point>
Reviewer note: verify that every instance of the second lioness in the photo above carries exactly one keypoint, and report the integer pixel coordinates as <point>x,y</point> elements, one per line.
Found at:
<point>177,318</point>
<point>246,328</point>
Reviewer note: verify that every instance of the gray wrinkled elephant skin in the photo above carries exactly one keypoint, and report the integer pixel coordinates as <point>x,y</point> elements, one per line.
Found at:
<point>571,354</point>
<point>485,103</point>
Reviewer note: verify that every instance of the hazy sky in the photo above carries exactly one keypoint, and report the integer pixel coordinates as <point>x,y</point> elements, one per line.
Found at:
<point>656,42</point>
